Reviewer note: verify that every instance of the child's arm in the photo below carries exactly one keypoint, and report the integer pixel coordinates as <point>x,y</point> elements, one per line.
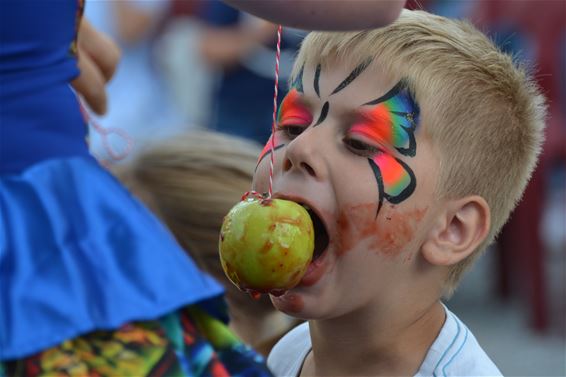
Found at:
<point>324,15</point>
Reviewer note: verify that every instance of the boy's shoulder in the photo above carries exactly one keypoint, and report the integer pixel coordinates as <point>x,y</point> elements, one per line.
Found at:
<point>287,356</point>
<point>456,352</point>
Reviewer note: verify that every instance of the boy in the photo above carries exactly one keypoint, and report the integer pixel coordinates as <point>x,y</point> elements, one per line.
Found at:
<point>410,144</point>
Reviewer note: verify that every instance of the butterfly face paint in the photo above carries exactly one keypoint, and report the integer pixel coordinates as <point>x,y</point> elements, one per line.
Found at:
<point>389,125</point>
<point>292,112</point>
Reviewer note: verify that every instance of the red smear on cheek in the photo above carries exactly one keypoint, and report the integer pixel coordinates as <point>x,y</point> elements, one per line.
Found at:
<point>390,232</point>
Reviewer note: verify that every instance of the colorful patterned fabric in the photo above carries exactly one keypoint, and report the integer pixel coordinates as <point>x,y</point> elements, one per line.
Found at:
<point>189,342</point>
<point>78,254</point>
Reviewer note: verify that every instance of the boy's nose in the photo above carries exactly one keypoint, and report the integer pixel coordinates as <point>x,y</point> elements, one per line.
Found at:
<point>302,155</point>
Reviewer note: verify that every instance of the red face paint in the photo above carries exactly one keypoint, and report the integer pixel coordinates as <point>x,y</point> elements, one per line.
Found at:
<point>293,111</point>
<point>267,148</point>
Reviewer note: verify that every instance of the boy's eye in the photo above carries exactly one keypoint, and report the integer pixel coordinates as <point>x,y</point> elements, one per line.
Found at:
<point>360,148</point>
<point>292,131</point>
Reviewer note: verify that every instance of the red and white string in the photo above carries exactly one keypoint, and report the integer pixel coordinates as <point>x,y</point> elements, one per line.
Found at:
<point>104,135</point>
<point>273,124</point>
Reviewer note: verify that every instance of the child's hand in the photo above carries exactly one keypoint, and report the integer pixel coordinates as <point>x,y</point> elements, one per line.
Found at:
<point>98,57</point>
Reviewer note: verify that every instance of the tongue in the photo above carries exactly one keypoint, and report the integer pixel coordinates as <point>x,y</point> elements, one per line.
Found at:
<point>314,272</point>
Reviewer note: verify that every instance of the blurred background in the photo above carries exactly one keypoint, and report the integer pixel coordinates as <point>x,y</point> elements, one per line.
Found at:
<point>514,298</point>
<point>201,64</point>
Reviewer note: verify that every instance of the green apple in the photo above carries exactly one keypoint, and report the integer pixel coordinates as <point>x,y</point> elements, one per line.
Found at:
<point>266,245</point>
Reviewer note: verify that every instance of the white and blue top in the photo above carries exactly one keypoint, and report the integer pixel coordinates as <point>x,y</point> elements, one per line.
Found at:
<point>455,352</point>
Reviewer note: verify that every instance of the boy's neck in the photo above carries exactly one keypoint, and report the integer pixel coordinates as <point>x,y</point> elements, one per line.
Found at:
<point>373,344</point>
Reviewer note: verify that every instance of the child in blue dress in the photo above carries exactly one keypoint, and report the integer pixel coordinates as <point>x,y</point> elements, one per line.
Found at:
<point>91,283</point>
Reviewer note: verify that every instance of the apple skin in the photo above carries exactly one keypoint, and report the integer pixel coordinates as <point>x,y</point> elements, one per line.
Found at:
<point>266,245</point>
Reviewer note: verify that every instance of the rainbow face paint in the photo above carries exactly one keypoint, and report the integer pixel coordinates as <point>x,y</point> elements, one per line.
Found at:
<point>392,121</point>
<point>292,112</point>
<point>395,179</point>
<point>390,124</point>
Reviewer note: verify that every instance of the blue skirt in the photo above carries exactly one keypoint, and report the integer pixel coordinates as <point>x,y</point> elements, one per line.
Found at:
<point>79,253</point>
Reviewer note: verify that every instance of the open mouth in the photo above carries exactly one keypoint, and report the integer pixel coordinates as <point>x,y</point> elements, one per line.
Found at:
<point>321,238</point>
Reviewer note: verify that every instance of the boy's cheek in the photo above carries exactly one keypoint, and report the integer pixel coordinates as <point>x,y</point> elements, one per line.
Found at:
<point>260,181</point>
<point>389,234</point>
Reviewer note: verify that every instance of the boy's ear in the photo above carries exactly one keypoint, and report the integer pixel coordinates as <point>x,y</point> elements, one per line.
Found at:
<point>460,228</point>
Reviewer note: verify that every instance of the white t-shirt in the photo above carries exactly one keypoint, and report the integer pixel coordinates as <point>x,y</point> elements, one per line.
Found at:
<point>455,352</point>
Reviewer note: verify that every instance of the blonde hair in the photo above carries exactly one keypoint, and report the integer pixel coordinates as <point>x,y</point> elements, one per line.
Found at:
<point>191,181</point>
<point>484,114</point>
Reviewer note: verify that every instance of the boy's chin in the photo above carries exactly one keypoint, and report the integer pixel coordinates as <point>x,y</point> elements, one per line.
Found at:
<point>289,303</point>
<point>298,304</point>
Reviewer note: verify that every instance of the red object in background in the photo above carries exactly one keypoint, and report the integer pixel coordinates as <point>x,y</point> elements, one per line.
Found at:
<point>185,7</point>
<point>542,23</point>
<point>521,249</point>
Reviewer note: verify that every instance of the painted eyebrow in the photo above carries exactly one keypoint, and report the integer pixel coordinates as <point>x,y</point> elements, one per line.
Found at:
<point>323,114</point>
<point>390,94</point>
<point>317,79</point>
<point>298,82</point>
<point>353,75</point>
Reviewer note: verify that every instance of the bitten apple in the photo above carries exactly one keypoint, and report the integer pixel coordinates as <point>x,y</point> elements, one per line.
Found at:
<point>266,245</point>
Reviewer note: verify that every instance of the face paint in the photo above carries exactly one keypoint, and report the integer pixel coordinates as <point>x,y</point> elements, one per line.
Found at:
<point>323,114</point>
<point>390,123</point>
<point>267,148</point>
<point>317,79</point>
<point>353,75</point>
<point>292,112</point>
<point>397,178</point>
<point>298,82</point>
